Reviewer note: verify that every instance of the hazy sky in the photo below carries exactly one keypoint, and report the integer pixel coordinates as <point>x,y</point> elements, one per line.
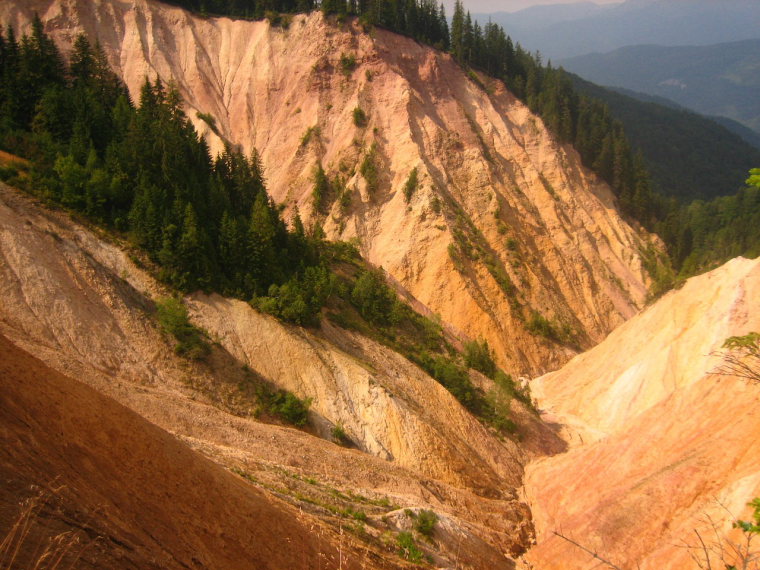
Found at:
<point>490,6</point>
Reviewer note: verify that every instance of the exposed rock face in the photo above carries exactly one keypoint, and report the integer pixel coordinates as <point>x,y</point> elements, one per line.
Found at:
<point>391,408</point>
<point>660,444</point>
<point>494,187</point>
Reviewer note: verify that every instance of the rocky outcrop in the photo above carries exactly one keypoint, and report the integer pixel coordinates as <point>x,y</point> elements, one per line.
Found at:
<point>504,222</point>
<point>661,446</point>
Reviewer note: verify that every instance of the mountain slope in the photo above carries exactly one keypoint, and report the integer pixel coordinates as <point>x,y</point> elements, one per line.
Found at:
<point>659,442</point>
<point>718,79</point>
<point>689,156</point>
<point>504,224</point>
<point>84,307</point>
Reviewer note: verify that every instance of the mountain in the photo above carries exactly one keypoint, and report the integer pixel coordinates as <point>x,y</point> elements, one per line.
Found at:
<point>534,19</point>
<point>689,156</point>
<point>583,30</point>
<point>505,225</point>
<point>717,79</point>
<point>333,445</point>
<point>745,133</point>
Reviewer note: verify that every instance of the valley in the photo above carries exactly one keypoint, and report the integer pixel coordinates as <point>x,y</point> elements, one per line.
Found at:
<point>148,455</point>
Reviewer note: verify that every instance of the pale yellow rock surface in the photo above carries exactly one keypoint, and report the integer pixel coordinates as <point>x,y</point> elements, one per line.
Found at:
<point>659,443</point>
<point>487,167</point>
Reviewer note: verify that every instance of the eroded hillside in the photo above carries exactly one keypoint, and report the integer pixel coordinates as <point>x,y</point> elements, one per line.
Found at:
<point>84,306</point>
<point>503,224</point>
<point>661,447</point>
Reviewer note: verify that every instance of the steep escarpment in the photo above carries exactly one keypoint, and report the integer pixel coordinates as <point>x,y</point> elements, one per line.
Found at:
<point>503,227</point>
<point>84,306</point>
<point>661,446</point>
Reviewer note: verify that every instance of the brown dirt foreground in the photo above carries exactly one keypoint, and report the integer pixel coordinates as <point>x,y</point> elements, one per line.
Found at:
<point>133,495</point>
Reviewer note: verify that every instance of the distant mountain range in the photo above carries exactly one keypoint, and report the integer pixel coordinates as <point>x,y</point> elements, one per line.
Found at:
<point>567,30</point>
<point>719,79</point>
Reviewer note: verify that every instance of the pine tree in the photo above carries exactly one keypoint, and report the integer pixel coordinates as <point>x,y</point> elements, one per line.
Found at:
<point>457,32</point>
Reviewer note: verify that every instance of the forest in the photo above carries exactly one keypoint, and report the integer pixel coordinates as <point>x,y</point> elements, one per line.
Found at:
<point>143,170</point>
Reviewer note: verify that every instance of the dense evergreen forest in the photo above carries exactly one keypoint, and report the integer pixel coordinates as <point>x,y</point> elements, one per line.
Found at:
<point>144,170</point>
<point>688,156</point>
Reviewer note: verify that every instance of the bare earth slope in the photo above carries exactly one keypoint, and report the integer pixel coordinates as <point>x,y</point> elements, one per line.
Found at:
<point>135,495</point>
<point>503,222</point>
<point>660,443</point>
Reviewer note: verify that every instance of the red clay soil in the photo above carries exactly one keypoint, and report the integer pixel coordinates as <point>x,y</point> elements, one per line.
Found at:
<point>132,494</point>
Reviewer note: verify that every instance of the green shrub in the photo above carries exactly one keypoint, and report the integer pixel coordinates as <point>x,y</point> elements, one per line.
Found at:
<point>310,132</point>
<point>540,326</point>
<point>360,516</point>
<point>288,407</point>
<point>347,63</point>
<point>207,118</point>
<point>425,522</point>
<point>360,117</point>
<point>499,400</point>
<point>552,330</point>
<point>411,185</point>
<point>339,434</point>
<point>345,200</point>
<point>173,318</point>
<point>368,168</point>
<point>321,188</point>
<point>376,302</point>
<point>453,376</point>
<point>301,298</point>
<point>408,549</point>
<point>479,356</point>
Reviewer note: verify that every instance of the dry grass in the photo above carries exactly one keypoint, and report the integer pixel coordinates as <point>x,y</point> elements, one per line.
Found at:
<point>60,551</point>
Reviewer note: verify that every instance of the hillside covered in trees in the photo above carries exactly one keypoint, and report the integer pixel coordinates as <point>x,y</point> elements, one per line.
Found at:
<point>688,155</point>
<point>143,169</point>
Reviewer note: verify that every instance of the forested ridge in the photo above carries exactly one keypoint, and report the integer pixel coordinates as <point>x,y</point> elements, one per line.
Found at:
<point>688,155</point>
